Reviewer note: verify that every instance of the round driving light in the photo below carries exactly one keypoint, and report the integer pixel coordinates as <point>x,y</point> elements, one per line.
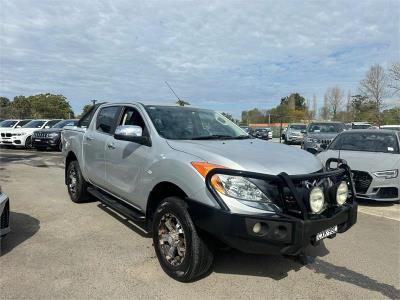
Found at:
<point>257,228</point>
<point>317,199</point>
<point>342,193</point>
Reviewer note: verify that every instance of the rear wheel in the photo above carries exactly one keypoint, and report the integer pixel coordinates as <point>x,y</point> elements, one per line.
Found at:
<point>182,253</point>
<point>76,184</point>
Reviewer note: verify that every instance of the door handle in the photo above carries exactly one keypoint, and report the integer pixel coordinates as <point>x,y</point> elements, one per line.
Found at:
<point>89,138</point>
<point>111,146</point>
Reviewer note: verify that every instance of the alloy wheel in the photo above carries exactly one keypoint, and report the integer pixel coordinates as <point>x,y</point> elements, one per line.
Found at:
<point>172,239</point>
<point>72,181</point>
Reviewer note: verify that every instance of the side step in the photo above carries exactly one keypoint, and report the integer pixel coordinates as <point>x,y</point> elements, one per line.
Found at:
<point>124,209</point>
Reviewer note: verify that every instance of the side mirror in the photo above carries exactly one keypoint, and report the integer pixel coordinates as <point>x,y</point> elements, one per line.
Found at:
<point>18,126</point>
<point>131,133</point>
<point>303,131</point>
<point>47,127</point>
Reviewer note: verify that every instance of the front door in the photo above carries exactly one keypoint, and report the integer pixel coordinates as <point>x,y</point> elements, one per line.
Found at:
<point>126,161</point>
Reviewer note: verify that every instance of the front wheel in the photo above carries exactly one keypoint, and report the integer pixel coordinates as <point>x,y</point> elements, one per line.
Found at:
<point>28,143</point>
<point>182,253</point>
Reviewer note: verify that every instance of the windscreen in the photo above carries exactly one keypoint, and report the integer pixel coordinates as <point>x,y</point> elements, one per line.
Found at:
<point>34,124</point>
<point>8,123</point>
<point>64,123</point>
<point>325,128</point>
<point>298,126</point>
<point>366,141</point>
<point>179,123</point>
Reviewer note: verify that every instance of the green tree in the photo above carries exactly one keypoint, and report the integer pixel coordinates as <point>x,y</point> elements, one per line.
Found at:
<point>4,107</point>
<point>20,108</point>
<point>391,116</point>
<point>40,106</point>
<point>50,106</point>
<point>86,108</point>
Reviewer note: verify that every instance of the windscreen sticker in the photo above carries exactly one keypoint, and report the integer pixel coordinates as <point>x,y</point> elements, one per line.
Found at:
<point>390,149</point>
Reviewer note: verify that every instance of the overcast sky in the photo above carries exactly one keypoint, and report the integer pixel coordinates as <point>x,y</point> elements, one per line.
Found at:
<point>225,55</point>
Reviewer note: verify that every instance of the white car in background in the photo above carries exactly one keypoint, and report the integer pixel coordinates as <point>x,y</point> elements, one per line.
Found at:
<point>6,125</point>
<point>374,159</point>
<point>4,215</point>
<point>23,136</point>
<point>390,127</point>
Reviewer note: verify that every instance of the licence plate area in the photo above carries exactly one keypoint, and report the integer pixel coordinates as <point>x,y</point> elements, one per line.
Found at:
<point>326,233</point>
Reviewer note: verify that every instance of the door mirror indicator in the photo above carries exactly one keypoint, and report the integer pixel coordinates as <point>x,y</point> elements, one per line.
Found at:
<point>131,133</point>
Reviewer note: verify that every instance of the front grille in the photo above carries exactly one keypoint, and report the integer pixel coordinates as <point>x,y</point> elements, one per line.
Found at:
<point>5,217</point>
<point>3,134</point>
<point>8,134</point>
<point>41,134</point>
<point>325,142</point>
<point>362,181</point>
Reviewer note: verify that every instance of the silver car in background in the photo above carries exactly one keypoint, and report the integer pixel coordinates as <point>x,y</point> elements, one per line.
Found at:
<point>374,157</point>
<point>293,134</point>
<point>320,134</point>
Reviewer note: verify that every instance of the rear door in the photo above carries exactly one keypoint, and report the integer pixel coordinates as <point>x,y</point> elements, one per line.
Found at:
<point>126,161</point>
<point>94,143</point>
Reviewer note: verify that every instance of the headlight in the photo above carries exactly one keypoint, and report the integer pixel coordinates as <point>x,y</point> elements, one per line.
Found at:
<point>237,187</point>
<point>18,134</point>
<point>387,174</point>
<point>53,135</point>
<point>311,140</point>
<point>243,190</point>
<point>342,193</point>
<point>317,199</point>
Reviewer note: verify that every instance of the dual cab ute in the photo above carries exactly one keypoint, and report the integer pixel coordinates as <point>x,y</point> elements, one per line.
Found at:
<point>193,179</point>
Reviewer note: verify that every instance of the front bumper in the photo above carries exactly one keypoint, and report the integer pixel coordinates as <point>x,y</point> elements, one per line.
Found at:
<point>4,214</point>
<point>285,231</point>
<point>45,142</point>
<point>285,236</point>
<point>370,187</point>
<point>18,140</point>
<point>294,139</point>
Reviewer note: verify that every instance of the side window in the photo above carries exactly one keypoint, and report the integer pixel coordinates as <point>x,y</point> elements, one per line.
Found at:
<point>132,117</point>
<point>106,118</point>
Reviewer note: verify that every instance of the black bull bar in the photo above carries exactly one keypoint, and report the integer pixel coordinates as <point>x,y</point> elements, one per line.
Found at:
<point>342,172</point>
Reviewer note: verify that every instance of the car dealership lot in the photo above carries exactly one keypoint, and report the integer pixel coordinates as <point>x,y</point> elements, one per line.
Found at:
<point>60,249</point>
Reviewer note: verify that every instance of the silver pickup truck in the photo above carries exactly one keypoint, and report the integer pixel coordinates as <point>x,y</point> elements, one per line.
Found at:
<point>195,181</point>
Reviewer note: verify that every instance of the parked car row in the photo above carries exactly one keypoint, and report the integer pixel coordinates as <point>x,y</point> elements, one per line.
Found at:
<point>264,133</point>
<point>40,133</point>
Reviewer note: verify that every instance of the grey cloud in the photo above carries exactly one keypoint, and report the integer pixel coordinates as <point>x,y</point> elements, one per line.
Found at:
<point>215,53</point>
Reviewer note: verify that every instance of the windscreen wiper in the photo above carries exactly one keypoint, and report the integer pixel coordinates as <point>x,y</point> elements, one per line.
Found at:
<point>213,137</point>
<point>243,137</point>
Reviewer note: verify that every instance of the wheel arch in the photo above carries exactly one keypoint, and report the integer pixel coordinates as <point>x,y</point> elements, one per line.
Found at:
<point>161,191</point>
